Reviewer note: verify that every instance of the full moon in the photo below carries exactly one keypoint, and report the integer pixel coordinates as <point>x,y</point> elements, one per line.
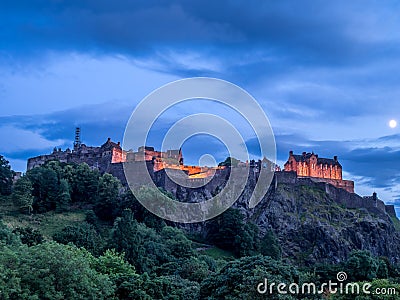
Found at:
<point>392,123</point>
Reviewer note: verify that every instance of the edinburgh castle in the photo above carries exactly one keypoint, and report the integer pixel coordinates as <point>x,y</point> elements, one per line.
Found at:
<point>304,169</point>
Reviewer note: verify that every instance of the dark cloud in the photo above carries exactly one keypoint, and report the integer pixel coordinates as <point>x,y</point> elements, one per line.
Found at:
<point>348,51</point>
<point>291,33</point>
<point>97,122</point>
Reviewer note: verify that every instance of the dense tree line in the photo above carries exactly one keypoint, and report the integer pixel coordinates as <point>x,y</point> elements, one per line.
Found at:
<point>122,251</point>
<point>141,263</point>
<point>57,186</point>
<point>6,176</point>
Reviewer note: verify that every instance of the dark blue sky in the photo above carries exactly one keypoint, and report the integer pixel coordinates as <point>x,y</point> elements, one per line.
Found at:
<point>326,73</point>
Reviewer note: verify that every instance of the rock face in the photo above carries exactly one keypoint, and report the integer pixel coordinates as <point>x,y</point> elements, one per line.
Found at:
<point>314,222</point>
<point>314,226</point>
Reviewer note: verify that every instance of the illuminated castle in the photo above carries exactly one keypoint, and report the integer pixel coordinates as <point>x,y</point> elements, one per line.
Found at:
<point>110,156</point>
<point>170,159</point>
<point>319,169</point>
<point>106,157</point>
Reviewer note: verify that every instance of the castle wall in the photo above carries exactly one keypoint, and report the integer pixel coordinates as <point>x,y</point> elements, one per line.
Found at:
<point>347,185</point>
<point>117,170</point>
<point>118,155</point>
<point>134,171</point>
<point>286,177</point>
<point>292,178</point>
<point>391,211</point>
<point>219,180</point>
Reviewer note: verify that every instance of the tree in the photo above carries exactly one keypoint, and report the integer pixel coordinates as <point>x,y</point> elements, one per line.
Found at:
<point>64,197</point>
<point>191,268</point>
<point>142,246</point>
<point>29,236</point>
<point>231,233</point>
<point>84,182</point>
<point>6,176</point>
<point>55,165</point>
<point>361,265</point>
<point>45,188</point>
<point>175,240</point>
<point>22,194</point>
<point>83,235</point>
<point>107,197</point>
<point>7,237</point>
<point>229,161</point>
<point>239,279</point>
<point>51,271</point>
<point>170,287</point>
<point>269,245</point>
<point>114,265</point>
<point>141,214</point>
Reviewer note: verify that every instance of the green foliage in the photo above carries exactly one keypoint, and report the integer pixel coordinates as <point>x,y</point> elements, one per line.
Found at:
<point>177,243</point>
<point>22,194</point>
<point>393,270</point>
<point>269,245</point>
<point>7,237</point>
<point>45,185</point>
<point>141,214</point>
<point>64,197</point>
<point>167,263</point>
<point>107,197</point>
<point>232,233</point>
<point>6,176</point>
<point>51,271</point>
<point>83,235</point>
<point>361,266</point>
<point>55,185</point>
<point>91,218</point>
<point>142,246</point>
<point>239,278</point>
<point>219,254</point>
<point>114,265</point>
<point>83,182</point>
<point>380,289</point>
<point>229,161</point>
<point>326,272</point>
<point>56,166</point>
<point>192,268</point>
<point>28,235</point>
<point>10,280</point>
<point>164,287</point>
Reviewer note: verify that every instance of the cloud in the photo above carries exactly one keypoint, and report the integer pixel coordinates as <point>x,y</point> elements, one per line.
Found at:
<point>65,81</point>
<point>336,33</point>
<point>310,61</point>
<point>23,139</point>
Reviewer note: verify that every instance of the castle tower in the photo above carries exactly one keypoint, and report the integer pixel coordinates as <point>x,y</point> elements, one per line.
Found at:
<point>77,143</point>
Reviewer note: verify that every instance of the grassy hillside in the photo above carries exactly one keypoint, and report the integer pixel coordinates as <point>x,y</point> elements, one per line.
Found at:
<point>47,223</point>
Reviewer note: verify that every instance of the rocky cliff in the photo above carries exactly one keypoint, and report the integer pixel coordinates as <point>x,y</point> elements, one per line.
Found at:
<point>315,222</point>
<point>314,226</point>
